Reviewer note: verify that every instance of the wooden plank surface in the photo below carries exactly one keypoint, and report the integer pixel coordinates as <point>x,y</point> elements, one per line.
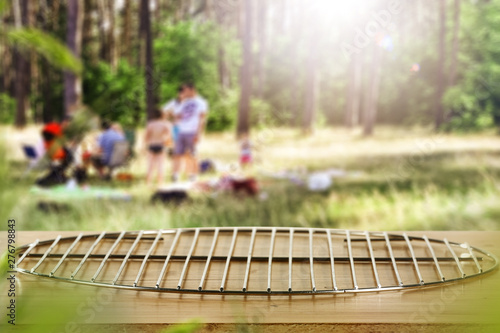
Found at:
<point>466,303</point>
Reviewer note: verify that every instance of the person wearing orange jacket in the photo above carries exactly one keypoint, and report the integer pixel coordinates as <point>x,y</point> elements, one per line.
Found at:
<point>59,156</point>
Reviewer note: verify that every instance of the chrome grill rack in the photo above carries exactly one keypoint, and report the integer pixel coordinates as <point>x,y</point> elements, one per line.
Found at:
<point>254,261</point>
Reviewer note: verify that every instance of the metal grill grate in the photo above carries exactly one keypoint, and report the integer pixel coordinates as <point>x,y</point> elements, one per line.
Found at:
<point>254,260</point>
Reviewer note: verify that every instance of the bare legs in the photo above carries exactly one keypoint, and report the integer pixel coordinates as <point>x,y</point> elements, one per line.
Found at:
<point>189,162</point>
<point>191,166</point>
<point>155,163</point>
<point>177,166</point>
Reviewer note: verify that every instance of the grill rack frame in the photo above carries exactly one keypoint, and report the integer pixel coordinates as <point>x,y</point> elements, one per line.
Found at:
<point>364,236</point>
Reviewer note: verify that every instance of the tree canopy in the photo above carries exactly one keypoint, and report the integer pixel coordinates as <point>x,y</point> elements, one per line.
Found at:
<point>306,64</point>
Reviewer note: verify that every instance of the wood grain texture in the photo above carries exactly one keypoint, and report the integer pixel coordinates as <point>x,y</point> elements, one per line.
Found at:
<point>469,302</point>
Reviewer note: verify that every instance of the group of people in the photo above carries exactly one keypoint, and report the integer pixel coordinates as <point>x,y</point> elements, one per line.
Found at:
<point>177,126</point>
<point>58,151</point>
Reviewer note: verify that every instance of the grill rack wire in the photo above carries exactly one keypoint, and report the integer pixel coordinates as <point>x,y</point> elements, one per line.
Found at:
<point>481,261</point>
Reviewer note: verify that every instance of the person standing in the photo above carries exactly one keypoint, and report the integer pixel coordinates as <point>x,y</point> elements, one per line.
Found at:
<point>190,118</point>
<point>170,109</point>
<point>158,133</point>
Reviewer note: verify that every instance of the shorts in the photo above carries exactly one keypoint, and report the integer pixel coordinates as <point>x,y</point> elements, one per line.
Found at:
<point>246,159</point>
<point>185,143</point>
<point>156,149</point>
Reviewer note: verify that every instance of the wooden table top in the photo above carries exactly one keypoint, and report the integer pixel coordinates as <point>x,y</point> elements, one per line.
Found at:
<point>469,302</point>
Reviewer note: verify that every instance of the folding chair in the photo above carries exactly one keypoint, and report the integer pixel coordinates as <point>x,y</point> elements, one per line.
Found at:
<point>120,155</point>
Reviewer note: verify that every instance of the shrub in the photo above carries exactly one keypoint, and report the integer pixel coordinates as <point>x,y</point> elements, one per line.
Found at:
<point>7,109</point>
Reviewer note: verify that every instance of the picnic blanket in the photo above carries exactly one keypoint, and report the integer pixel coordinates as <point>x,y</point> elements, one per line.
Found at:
<point>64,193</point>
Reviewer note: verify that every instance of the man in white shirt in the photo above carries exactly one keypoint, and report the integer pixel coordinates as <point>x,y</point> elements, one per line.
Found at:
<point>190,118</point>
<point>173,105</point>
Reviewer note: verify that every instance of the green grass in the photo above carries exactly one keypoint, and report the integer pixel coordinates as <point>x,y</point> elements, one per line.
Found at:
<point>452,184</point>
<point>408,180</point>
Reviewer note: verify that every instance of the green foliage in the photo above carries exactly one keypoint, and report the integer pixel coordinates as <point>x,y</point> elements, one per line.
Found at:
<point>7,109</point>
<point>467,113</point>
<point>8,196</point>
<point>188,52</point>
<point>83,121</point>
<point>198,50</point>
<point>262,115</point>
<point>4,6</point>
<point>4,264</point>
<point>475,101</point>
<point>184,52</point>
<point>223,111</point>
<point>47,46</point>
<point>116,96</point>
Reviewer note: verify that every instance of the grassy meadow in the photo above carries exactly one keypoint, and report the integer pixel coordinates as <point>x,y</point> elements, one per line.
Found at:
<point>401,179</point>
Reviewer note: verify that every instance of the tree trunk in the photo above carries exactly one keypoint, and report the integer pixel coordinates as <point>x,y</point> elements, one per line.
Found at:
<point>440,79</point>
<point>126,50</point>
<point>454,55</point>
<point>373,92</point>
<point>72,83</point>
<point>112,54</point>
<point>7,72</point>
<point>209,10</point>
<point>279,14</point>
<point>296,98</point>
<point>354,85</point>
<point>56,9</point>
<point>107,32</point>
<point>47,109</point>
<point>157,17</point>
<point>240,20</point>
<point>220,15</point>
<point>311,91</point>
<point>141,51</point>
<point>261,21</point>
<point>103,37</point>
<point>34,68</point>
<point>45,69</point>
<point>148,53</point>
<point>246,71</point>
<point>3,47</point>
<point>22,81</point>
<point>223,70</point>
<point>311,69</point>
<point>186,9</point>
<point>177,12</point>
<point>89,53</point>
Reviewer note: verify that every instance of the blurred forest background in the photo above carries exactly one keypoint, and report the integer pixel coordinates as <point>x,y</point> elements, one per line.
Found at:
<point>291,63</point>
<point>394,71</point>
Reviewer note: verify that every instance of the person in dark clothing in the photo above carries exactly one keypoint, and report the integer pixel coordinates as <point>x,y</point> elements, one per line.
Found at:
<point>59,156</point>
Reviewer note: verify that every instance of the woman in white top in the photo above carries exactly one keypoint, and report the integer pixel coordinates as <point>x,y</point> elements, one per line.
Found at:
<point>158,134</point>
